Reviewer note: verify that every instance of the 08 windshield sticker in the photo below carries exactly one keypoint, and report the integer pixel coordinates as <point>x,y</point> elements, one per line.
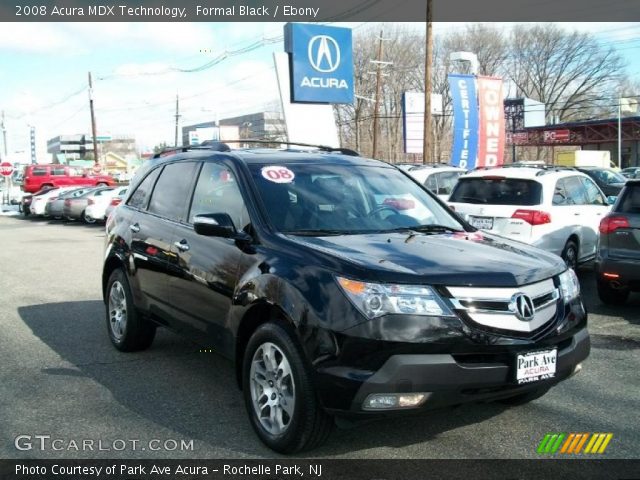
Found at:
<point>278,174</point>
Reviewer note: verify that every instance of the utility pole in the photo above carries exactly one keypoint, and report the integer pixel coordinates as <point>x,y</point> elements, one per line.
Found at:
<point>4,135</point>
<point>175,143</point>
<point>377,105</point>
<point>93,123</point>
<point>428,63</point>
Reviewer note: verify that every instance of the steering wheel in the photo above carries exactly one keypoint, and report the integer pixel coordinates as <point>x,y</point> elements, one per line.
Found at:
<point>381,208</point>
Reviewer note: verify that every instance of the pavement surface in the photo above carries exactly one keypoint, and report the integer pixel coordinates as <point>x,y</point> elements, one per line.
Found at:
<point>60,376</point>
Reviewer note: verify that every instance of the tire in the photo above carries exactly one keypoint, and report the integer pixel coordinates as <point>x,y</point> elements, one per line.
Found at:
<point>612,296</point>
<point>86,219</point>
<point>570,254</point>
<point>101,184</point>
<point>128,330</point>
<point>525,398</point>
<point>301,427</point>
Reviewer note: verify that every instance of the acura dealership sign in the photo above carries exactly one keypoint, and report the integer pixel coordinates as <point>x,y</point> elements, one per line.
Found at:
<point>321,63</point>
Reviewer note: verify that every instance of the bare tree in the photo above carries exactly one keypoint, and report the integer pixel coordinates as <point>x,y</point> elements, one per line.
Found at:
<point>570,72</point>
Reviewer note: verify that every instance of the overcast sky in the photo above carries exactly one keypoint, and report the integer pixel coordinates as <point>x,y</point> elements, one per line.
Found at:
<point>218,69</point>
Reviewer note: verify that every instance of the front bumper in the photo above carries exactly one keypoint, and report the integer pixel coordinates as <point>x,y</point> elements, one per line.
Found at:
<point>451,379</point>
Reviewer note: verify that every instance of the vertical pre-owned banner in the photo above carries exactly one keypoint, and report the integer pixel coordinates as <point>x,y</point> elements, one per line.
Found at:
<point>491,141</point>
<point>465,120</point>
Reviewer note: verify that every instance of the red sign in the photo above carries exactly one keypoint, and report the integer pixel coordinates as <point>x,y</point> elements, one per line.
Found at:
<point>550,136</point>
<point>491,113</point>
<point>6,169</point>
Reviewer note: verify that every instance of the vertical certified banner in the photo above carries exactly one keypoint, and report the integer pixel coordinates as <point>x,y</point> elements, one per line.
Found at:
<point>465,120</point>
<point>491,141</point>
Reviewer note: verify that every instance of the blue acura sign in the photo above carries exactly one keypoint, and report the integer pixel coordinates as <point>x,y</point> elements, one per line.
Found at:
<point>321,63</point>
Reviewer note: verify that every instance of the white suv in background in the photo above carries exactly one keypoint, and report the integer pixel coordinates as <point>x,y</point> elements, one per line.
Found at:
<point>553,208</point>
<point>440,179</point>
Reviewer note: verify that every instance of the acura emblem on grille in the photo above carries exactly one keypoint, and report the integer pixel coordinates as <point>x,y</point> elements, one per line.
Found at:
<point>522,306</point>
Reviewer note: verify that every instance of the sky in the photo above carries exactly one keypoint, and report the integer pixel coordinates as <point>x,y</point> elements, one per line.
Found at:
<point>218,70</point>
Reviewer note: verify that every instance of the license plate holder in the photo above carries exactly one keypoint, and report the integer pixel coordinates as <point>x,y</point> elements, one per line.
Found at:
<point>536,366</point>
<point>481,223</point>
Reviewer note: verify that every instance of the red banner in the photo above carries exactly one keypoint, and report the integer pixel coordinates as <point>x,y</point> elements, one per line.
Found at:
<point>491,112</point>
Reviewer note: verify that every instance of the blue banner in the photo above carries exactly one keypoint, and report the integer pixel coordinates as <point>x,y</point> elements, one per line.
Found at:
<point>321,63</point>
<point>465,120</point>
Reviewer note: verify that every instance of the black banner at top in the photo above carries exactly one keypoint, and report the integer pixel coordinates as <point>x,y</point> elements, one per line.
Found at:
<point>317,10</point>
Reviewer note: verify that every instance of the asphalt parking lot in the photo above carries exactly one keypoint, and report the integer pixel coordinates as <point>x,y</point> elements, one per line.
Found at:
<point>60,376</point>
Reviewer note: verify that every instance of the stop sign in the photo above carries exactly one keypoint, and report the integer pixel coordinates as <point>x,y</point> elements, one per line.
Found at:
<point>6,169</point>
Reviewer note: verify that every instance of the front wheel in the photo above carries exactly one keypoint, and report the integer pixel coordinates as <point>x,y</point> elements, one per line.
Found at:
<point>570,254</point>
<point>128,330</point>
<point>279,393</point>
<point>87,218</point>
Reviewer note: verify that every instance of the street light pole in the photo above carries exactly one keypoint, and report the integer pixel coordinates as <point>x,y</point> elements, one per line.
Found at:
<point>619,132</point>
<point>377,105</point>
<point>93,122</point>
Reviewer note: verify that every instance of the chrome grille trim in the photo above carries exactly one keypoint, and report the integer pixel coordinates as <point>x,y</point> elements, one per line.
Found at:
<point>502,316</point>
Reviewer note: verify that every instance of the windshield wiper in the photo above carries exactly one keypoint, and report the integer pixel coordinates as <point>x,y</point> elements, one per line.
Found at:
<point>434,228</point>
<point>316,232</point>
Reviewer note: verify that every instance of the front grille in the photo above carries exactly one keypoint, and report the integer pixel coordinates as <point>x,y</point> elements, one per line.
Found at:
<point>496,308</point>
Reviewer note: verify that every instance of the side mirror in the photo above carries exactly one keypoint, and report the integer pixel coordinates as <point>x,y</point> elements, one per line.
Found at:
<point>611,199</point>
<point>214,225</point>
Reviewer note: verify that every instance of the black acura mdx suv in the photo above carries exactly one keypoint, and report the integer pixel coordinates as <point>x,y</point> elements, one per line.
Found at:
<point>337,285</point>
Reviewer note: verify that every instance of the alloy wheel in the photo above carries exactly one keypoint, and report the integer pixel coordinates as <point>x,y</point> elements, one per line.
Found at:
<point>117,310</point>
<point>272,388</point>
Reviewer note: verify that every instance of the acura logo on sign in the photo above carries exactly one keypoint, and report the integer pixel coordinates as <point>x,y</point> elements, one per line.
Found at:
<point>324,53</point>
<point>522,306</point>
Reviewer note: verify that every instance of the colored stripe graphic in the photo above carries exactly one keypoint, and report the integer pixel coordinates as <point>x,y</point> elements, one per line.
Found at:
<point>572,443</point>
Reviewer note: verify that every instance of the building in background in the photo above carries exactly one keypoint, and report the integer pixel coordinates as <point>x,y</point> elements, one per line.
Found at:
<point>261,125</point>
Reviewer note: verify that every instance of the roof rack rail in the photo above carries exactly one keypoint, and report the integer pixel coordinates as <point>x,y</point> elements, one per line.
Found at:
<point>224,147</point>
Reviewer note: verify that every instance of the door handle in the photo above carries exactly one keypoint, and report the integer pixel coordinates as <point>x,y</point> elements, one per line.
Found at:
<point>135,228</point>
<point>183,246</point>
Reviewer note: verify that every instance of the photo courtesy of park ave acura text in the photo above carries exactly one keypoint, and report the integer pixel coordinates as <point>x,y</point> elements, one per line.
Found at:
<point>281,239</point>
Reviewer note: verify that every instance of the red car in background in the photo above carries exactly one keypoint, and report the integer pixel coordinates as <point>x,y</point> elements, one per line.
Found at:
<point>37,177</point>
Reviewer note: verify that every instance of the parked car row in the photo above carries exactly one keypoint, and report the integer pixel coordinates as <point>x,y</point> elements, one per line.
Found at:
<point>87,204</point>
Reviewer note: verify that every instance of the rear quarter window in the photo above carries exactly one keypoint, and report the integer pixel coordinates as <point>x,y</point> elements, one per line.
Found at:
<point>497,191</point>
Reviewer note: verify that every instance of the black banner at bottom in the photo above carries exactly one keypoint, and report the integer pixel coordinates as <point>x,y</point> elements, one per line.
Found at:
<point>293,469</point>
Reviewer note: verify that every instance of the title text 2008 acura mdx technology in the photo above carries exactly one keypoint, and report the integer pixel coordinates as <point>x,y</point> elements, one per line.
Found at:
<point>337,285</point>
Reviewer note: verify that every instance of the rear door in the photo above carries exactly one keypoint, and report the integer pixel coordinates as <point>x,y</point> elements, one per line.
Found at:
<point>501,205</point>
<point>594,210</point>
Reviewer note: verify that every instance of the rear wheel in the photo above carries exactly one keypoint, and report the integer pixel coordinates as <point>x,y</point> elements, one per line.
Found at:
<point>524,398</point>
<point>570,254</point>
<point>279,393</point>
<point>610,295</point>
<point>87,219</point>
<point>128,330</point>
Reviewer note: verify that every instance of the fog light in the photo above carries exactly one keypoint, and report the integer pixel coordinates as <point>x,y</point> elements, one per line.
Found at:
<point>387,401</point>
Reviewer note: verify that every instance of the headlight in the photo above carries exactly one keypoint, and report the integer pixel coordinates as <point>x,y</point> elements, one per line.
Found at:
<point>377,299</point>
<point>569,285</point>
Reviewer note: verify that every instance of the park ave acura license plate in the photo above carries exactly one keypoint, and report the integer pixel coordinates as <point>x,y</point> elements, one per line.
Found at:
<point>481,223</point>
<point>534,366</point>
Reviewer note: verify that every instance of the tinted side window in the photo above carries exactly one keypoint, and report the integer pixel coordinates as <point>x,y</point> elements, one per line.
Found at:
<point>594,197</point>
<point>446,182</point>
<point>431,183</point>
<point>217,191</point>
<point>140,197</point>
<point>57,171</point>
<point>39,171</point>
<point>173,190</point>
<point>560,196</point>
<point>575,191</point>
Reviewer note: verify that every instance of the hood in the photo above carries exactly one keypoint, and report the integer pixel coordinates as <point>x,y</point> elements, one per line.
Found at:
<point>453,259</point>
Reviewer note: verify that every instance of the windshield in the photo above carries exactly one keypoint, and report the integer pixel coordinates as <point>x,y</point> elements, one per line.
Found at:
<point>332,199</point>
<point>497,191</point>
<point>609,176</point>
